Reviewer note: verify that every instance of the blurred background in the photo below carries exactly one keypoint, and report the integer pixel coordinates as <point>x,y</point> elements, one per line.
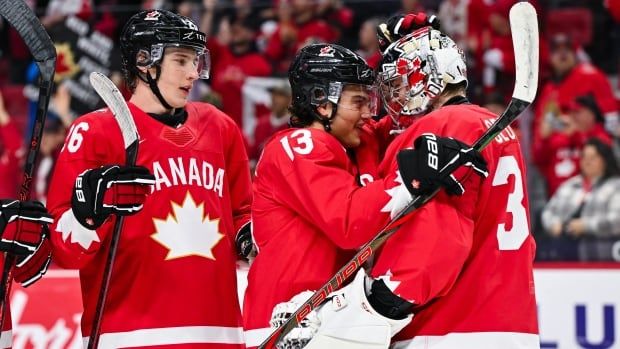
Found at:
<point>570,136</point>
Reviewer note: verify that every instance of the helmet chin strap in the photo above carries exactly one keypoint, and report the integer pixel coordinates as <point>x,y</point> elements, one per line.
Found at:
<point>153,85</point>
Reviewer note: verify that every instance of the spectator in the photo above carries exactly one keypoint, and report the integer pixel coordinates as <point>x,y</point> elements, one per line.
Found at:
<point>495,103</point>
<point>556,148</point>
<point>58,10</point>
<point>275,121</point>
<point>11,153</point>
<point>453,17</point>
<point>589,203</point>
<point>54,134</point>
<point>368,44</point>
<point>498,57</point>
<point>571,79</point>
<point>298,26</point>
<point>233,64</point>
<point>340,17</point>
<point>412,6</point>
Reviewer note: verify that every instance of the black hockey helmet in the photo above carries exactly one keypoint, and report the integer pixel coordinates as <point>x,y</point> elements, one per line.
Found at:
<point>148,33</point>
<point>318,74</point>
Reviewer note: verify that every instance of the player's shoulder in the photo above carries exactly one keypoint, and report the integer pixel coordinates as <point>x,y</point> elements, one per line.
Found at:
<point>205,113</point>
<point>465,122</point>
<point>100,119</point>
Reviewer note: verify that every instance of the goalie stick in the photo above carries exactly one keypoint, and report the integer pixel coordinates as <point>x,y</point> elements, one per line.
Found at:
<point>21,17</point>
<point>117,105</point>
<point>524,27</point>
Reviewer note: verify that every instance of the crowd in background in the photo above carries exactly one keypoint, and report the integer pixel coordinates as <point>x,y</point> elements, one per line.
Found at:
<point>570,136</point>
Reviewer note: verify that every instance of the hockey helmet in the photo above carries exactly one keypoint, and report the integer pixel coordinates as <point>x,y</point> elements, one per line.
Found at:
<point>416,69</point>
<point>319,73</point>
<point>148,33</point>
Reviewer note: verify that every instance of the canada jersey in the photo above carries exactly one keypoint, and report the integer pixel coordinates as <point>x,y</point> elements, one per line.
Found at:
<point>308,216</point>
<point>466,261</point>
<point>173,281</point>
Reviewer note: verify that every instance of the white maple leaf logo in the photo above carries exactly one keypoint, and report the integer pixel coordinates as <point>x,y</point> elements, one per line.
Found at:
<point>387,279</point>
<point>399,197</point>
<point>392,284</point>
<point>69,226</point>
<point>187,232</point>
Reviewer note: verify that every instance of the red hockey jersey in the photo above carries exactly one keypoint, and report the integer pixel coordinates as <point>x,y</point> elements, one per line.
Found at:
<point>309,214</point>
<point>173,282</point>
<point>466,261</point>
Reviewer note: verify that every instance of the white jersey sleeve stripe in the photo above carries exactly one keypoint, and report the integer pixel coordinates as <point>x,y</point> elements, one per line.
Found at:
<point>170,335</point>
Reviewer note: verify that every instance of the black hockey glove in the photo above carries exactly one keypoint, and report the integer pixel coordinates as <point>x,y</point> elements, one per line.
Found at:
<point>421,167</point>
<point>22,226</point>
<point>400,25</point>
<point>244,242</point>
<point>107,190</point>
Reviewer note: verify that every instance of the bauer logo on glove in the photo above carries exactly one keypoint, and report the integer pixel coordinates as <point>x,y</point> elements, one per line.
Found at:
<point>425,167</point>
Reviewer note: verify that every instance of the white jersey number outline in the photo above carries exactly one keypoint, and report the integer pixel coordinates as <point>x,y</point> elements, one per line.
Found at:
<point>302,140</point>
<point>75,138</point>
<point>512,239</point>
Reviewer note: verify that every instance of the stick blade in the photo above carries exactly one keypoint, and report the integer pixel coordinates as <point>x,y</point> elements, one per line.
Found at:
<point>524,27</point>
<point>29,28</point>
<point>113,98</point>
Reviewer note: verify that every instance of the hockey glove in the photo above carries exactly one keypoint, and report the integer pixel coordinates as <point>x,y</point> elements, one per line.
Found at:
<point>21,226</point>
<point>107,190</point>
<point>245,243</point>
<point>398,26</point>
<point>298,337</point>
<point>421,167</point>
<point>30,268</point>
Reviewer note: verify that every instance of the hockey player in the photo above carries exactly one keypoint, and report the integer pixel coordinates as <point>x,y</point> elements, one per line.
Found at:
<point>173,283</point>
<point>24,233</point>
<point>309,212</point>
<point>462,265</point>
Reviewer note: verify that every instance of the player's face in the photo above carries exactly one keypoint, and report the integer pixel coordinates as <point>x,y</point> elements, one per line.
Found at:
<point>178,73</point>
<point>354,108</point>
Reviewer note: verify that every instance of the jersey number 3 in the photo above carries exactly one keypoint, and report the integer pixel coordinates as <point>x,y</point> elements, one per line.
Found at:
<point>513,238</point>
<point>301,141</point>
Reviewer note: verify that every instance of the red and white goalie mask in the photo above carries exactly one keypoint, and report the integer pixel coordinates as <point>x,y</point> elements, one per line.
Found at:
<point>416,69</point>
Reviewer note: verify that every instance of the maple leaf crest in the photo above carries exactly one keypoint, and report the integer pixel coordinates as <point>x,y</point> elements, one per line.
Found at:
<point>399,197</point>
<point>187,232</point>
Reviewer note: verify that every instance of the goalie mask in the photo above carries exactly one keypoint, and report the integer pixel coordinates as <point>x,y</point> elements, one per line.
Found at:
<point>416,69</point>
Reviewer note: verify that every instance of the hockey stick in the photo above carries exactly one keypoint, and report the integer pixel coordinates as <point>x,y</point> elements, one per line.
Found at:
<point>115,101</point>
<point>524,26</point>
<point>19,15</point>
